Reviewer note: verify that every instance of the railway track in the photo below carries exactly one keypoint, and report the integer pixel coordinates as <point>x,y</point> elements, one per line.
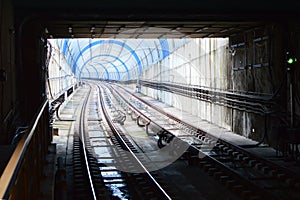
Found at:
<point>105,164</point>
<point>249,176</point>
<point>143,183</point>
<point>88,183</point>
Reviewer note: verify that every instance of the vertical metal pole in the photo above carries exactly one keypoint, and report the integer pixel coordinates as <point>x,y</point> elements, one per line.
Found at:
<point>292,102</point>
<point>290,68</point>
<point>291,94</point>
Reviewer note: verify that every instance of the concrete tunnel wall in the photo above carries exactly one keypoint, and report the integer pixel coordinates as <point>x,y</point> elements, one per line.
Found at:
<point>8,90</point>
<point>200,62</point>
<point>259,67</point>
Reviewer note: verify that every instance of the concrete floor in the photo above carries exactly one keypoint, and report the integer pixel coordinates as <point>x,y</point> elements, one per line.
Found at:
<point>187,182</point>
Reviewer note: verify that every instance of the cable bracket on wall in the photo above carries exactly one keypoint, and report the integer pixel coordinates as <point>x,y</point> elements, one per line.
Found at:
<point>3,75</point>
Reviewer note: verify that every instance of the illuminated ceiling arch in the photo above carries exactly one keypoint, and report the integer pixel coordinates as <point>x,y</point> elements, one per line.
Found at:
<point>115,56</point>
<point>106,55</point>
<point>105,69</point>
<point>99,42</point>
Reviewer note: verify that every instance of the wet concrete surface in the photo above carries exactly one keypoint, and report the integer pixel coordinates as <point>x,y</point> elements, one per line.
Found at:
<point>191,182</point>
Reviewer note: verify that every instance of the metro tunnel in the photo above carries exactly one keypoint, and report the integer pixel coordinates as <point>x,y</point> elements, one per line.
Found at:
<point>149,100</point>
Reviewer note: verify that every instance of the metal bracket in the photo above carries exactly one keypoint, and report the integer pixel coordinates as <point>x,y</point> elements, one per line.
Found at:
<point>3,75</point>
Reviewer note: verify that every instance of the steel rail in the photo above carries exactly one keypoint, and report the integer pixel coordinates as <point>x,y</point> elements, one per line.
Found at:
<point>82,132</point>
<point>150,122</point>
<point>116,132</point>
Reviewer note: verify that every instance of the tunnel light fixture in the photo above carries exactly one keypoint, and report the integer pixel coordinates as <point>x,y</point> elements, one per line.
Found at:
<point>92,29</point>
<point>224,30</point>
<point>70,29</point>
<point>202,29</point>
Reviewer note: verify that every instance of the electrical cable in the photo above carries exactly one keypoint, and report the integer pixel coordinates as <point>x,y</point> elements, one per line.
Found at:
<point>263,110</point>
<point>280,87</point>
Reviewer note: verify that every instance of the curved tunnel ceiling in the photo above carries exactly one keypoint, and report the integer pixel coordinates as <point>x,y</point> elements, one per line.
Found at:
<point>115,59</point>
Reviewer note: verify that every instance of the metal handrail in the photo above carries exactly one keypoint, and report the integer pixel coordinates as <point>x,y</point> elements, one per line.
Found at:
<point>10,173</point>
